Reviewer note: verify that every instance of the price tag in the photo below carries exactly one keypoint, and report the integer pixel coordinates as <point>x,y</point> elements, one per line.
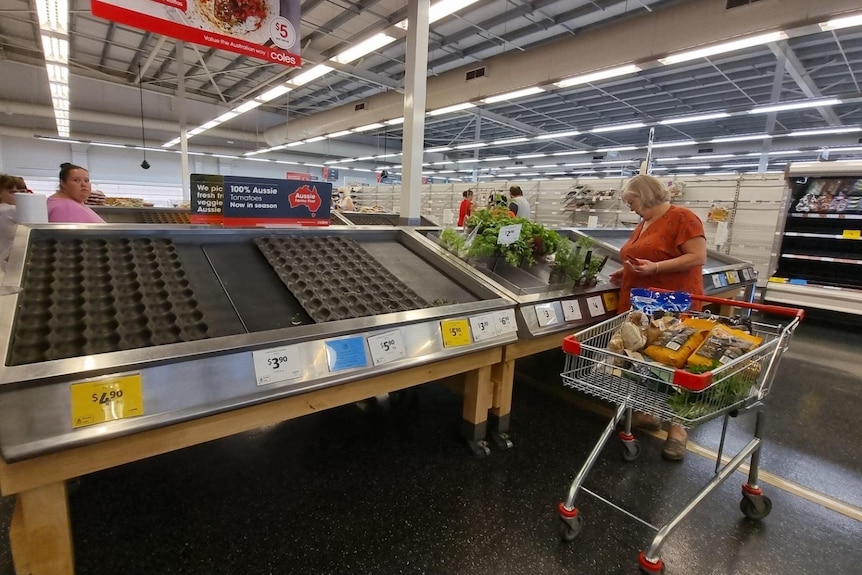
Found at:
<point>777,280</point>
<point>504,322</point>
<point>509,234</point>
<point>716,280</point>
<point>456,332</point>
<point>596,306</point>
<point>732,278</point>
<point>346,353</point>
<point>746,274</point>
<point>387,347</point>
<point>106,399</point>
<point>546,314</point>
<point>851,234</point>
<point>571,310</point>
<point>611,299</point>
<point>276,364</point>
<point>482,327</point>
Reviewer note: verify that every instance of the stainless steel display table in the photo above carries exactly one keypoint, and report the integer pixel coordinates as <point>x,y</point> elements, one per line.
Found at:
<point>121,344</point>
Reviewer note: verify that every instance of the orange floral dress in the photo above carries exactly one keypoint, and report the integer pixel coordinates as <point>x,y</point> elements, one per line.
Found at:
<point>662,240</point>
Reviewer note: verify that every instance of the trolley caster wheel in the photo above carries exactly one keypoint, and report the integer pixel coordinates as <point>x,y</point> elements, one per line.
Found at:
<point>479,448</point>
<point>755,506</point>
<point>502,440</point>
<point>631,450</point>
<point>570,527</point>
<point>647,567</point>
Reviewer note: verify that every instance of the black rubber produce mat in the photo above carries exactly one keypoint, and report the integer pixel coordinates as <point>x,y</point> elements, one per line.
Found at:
<point>91,296</point>
<point>335,278</point>
<point>157,217</point>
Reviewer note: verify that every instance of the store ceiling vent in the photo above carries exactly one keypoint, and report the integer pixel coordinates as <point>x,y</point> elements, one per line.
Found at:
<point>477,73</point>
<point>738,3</point>
<point>705,150</point>
<point>599,157</point>
<point>360,106</point>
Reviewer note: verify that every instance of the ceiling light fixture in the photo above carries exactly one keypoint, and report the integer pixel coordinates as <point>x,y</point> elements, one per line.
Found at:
<point>338,134</point>
<point>794,106</point>
<point>558,135</point>
<point>368,127</point>
<point>513,95</point>
<point>508,141</point>
<point>450,109</point>
<point>844,22</point>
<point>441,10</point>
<point>310,75</point>
<point>469,146</point>
<point>395,121</point>
<point>676,144</point>
<point>697,118</point>
<point>723,47</point>
<point>618,127</point>
<point>600,75</point>
<point>824,132</point>
<point>438,149</point>
<point>362,48</point>
<point>740,138</point>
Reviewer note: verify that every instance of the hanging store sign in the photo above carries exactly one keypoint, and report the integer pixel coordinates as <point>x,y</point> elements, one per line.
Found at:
<point>241,201</point>
<point>264,29</point>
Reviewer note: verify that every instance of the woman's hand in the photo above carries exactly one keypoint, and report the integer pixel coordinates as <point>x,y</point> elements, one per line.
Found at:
<point>617,277</point>
<point>642,267</point>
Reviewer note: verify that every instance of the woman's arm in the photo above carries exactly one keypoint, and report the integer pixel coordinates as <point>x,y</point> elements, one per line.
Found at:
<point>693,254</point>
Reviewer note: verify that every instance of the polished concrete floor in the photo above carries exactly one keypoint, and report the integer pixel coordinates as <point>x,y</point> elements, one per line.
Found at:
<point>372,491</point>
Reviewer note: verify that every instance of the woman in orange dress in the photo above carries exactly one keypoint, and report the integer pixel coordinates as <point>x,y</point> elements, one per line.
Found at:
<point>667,250</point>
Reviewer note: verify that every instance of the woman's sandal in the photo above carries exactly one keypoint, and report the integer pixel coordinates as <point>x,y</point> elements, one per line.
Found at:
<point>645,422</point>
<point>674,449</point>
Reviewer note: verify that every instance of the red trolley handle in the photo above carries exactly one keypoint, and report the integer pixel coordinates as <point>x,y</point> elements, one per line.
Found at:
<point>772,309</point>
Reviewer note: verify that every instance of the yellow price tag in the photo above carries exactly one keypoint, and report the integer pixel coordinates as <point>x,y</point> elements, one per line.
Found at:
<point>852,234</point>
<point>777,280</point>
<point>456,332</point>
<point>611,299</point>
<point>106,399</point>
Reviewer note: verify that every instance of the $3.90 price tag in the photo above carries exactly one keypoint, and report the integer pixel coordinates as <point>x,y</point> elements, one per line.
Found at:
<point>571,309</point>
<point>107,399</point>
<point>509,234</point>
<point>482,327</point>
<point>546,314</point>
<point>456,332</point>
<point>276,364</point>
<point>386,347</point>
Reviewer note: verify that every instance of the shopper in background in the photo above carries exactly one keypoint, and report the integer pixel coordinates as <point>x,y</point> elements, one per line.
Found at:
<point>345,204</point>
<point>519,204</point>
<point>9,187</point>
<point>667,249</point>
<point>67,204</point>
<point>466,207</point>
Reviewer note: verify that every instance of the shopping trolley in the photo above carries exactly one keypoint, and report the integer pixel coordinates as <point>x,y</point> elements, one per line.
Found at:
<point>680,397</point>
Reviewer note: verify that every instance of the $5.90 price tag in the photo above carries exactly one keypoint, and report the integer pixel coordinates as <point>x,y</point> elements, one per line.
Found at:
<point>509,234</point>
<point>106,399</point>
<point>482,327</point>
<point>456,332</point>
<point>276,364</point>
<point>386,347</point>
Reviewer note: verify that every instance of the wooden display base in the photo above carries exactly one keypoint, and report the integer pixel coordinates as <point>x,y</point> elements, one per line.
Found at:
<point>41,534</point>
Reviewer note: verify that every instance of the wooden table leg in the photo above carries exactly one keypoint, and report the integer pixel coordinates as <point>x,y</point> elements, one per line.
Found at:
<point>503,378</point>
<point>478,395</point>
<point>40,533</point>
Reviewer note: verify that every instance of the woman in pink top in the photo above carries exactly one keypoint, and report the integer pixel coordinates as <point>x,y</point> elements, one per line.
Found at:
<point>67,205</point>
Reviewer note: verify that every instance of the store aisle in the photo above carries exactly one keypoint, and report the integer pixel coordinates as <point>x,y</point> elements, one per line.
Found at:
<point>363,491</point>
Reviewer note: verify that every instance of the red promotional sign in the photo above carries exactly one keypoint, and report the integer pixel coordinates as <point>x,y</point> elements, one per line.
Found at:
<point>305,196</point>
<point>264,29</point>
<point>298,176</point>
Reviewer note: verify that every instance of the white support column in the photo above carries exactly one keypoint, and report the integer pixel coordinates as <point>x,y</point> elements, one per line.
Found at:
<point>414,110</point>
<point>181,108</point>
<point>777,82</point>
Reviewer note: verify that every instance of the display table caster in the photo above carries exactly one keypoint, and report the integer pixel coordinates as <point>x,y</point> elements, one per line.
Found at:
<point>479,448</point>
<point>502,440</point>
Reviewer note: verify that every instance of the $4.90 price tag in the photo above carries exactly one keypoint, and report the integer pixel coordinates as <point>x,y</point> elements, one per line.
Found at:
<point>106,399</point>
<point>276,364</point>
<point>483,327</point>
<point>509,234</point>
<point>456,332</point>
<point>386,347</point>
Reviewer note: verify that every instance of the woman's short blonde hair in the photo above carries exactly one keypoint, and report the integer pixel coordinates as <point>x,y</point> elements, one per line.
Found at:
<point>648,189</point>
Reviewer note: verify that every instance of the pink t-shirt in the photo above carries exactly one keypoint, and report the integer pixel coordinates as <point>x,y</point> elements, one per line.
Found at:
<point>61,210</point>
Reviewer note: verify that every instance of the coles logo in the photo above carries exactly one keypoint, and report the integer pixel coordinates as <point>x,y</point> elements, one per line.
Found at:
<point>305,196</point>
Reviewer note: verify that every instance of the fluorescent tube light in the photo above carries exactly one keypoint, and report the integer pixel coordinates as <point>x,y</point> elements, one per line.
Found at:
<point>367,127</point>
<point>558,135</point>
<point>361,49</point>
<point>294,144</point>
<point>274,93</point>
<point>513,95</point>
<point>57,72</point>
<point>395,121</point>
<point>571,153</point>
<point>314,139</point>
<point>630,126</point>
<point>310,75</point>
<point>60,103</point>
<point>794,106</point>
<point>530,156</point>
<point>600,75</point>
<point>677,144</point>
<point>723,47</point>
<point>469,146</point>
<point>53,15</point>
<point>59,90</point>
<point>56,49</point>
<point>698,118</point>
<point>618,149</point>
<point>470,161</point>
<point>173,142</point>
<point>740,138</point>
<point>450,109</point>
<point>229,115</point>
<point>338,134</point>
<point>509,141</point>
<point>438,149</point>
<point>838,23</point>
<point>246,107</point>
<point>668,159</point>
<point>824,132</point>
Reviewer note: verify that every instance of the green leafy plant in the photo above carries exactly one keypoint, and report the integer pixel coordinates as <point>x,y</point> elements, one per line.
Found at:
<point>569,261</point>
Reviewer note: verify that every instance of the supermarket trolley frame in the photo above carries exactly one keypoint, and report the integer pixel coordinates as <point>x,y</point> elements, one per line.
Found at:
<point>681,397</point>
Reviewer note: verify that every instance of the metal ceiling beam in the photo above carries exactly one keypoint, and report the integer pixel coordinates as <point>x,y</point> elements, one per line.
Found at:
<point>109,38</point>
<point>797,71</point>
<point>150,59</point>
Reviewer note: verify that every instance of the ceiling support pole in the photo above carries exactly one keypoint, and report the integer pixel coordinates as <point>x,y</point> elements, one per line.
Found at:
<point>777,81</point>
<point>415,84</point>
<point>181,108</point>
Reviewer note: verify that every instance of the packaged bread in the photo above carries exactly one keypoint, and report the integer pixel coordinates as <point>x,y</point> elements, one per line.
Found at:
<point>675,344</point>
<point>721,346</point>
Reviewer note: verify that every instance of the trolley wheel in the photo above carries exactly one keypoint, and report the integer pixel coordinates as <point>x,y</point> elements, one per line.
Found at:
<point>647,567</point>
<point>631,450</point>
<point>646,571</point>
<point>755,506</point>
<point>570,527</point>
<point>479,448</point>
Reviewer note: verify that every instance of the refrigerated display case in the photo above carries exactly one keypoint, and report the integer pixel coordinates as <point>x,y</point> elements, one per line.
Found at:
<point>818,252</point>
